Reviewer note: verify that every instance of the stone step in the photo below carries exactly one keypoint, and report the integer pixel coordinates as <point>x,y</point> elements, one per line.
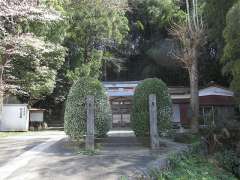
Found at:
<point>121,139</point>
<point>121,145</point>
<point>121,133</point>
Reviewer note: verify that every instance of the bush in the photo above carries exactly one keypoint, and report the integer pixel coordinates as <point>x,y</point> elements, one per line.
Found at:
<point>193,166</point>
<point>186,138</point>
<point>229,160</point>
<point>75,113</point>
<point>140,111</point>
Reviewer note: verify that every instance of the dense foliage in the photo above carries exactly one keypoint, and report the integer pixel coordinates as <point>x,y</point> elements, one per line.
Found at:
<point>134,42</point>
<point>99,34</point>
<point>46,45</point>
<point>195,167</point>
<point>149,22</point>
<point>95,28</point>
<point>214,15</point>
<point>75,113</point>
<point>34,66</point>
<point>30,49</point>
<point>231,56</point>
<point>140,110</point>
<point>214,12</point>
<point>229,160</point>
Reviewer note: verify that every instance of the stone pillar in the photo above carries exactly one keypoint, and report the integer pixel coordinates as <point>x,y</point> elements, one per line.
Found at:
<point>154,137</point>
<point>90,123</point>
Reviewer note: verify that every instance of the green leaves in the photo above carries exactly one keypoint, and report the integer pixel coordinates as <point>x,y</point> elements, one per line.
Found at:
<point>95,25</point>
<point>214,12</point>
<point>31,47</point>
<point>157,14</point>
<point>140,111</point>
<point>229,160</point>
<point>75,112</point>
<point>191,166</point>
<point>34,65</point>
<point>231,55</point>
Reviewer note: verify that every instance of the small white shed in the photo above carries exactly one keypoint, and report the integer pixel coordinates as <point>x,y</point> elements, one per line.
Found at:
<point>15,117</point>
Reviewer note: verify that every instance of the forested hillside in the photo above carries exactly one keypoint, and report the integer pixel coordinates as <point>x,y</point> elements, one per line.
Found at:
<point>47,44</point>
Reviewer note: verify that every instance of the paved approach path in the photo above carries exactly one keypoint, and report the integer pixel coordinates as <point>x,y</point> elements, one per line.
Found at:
<point>47,156</point>
<point>17,151</point>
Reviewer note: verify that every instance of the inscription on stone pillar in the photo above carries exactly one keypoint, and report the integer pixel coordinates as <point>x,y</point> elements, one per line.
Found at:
<point>154,137</point>
<point>90,123</point>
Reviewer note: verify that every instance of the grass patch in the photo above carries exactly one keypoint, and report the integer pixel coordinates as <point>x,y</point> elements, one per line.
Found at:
<point>186,138</point>
<point>194,167</point>
<point>83,151</point>
<point>88,152</point>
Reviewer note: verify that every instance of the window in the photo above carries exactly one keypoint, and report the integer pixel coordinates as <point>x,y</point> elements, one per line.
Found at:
<point>126,118</point>
<point>207,116</point>
<point>116,118</point>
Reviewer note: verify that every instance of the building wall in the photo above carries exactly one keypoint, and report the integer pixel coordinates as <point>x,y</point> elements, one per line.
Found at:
<point>216,100</point>
<point>15,118</point>
<point>224,114</point>
<point>219,114</point>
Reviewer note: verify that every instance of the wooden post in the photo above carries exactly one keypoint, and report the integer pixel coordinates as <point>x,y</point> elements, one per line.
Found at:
<point>90,123</point>
<point>154,137</point>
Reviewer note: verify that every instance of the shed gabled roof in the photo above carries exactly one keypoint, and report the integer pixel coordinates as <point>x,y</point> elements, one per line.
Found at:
<point>127,88</point>
<point>215,91</point>
<point>120,89</point>
<point>121,84</point>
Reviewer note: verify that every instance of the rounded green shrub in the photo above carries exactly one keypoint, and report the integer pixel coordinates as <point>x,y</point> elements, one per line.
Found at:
<point>140,110</point>
<point>75,117</point>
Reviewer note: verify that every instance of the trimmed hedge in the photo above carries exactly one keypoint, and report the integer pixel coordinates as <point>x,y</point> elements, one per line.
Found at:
<point>75,112</point>
<point>140,111</point>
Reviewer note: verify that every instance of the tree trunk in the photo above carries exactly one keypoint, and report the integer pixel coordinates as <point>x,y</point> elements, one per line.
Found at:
<point>194,96</point>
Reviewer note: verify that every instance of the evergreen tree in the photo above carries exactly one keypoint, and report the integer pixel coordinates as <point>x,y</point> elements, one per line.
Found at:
<point>231,55</point>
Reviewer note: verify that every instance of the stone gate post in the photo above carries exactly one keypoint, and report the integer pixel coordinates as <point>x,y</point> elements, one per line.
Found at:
<point>154,137</point>
<point>90,123</point>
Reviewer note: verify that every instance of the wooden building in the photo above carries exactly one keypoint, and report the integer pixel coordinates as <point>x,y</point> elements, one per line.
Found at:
<point>216,103</point>
<point>120,96</point>
<point>216,106</point>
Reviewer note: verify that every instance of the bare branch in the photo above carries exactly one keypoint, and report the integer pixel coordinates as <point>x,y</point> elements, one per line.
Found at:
<point>188,15</point>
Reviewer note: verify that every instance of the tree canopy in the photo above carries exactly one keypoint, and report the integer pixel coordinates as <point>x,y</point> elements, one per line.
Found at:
<point>231,55</point>
<point>45,45</point>
<point>31,52</point>
<point>95,27</point>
